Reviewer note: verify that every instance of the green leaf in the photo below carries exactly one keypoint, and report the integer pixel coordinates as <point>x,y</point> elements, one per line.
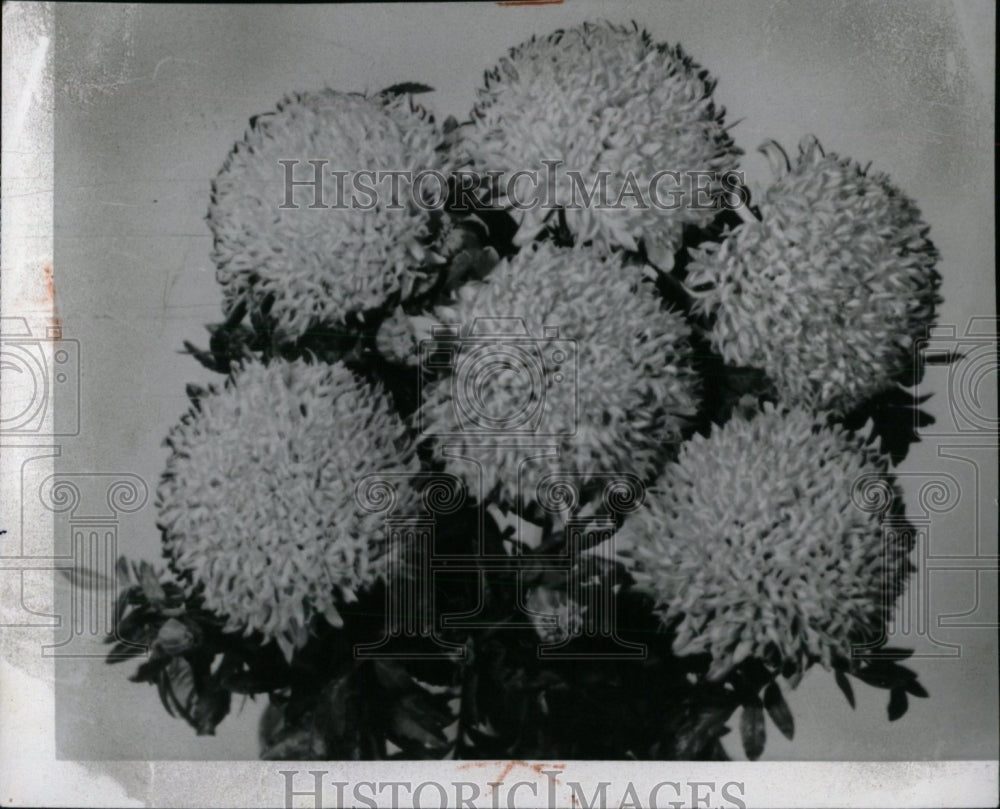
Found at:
<point>779,711</point>
<point>752,728</point>
<point>898,703</point>
<point>845,686</point>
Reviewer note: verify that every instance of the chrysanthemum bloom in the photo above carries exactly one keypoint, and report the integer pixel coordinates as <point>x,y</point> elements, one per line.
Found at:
<point>752,541</point>
<point>827,292</point>
<point>309,266</point>
<point>603,98</point>
<point>258,505</point>
<point>564,362</point>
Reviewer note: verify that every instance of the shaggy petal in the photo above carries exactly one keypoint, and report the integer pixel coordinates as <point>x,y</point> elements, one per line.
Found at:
<point>609,385</point>
<point>307,267</point>
<point>605,98</point>
<point>257,504</point>
<point>828,291</point>
<point>752,542</point>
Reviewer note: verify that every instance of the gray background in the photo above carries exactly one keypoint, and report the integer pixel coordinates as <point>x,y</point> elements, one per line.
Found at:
<point>150,99</point>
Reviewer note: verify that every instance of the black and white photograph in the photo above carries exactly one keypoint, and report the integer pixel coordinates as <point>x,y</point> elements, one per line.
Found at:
<point>539,403</point>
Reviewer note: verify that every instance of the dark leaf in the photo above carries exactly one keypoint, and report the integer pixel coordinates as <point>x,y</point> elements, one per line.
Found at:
<point>121,605</point>
<point>779,711</point>
<point>752,729</point>
<point>709,724</point>
<point>417,722</point>
<point>125,651</point>
<point>898,703</point>
<point>895,416</point>
<point>180,681</point>
<point>886,653</point>
<point>135,626</point>
<point>915,689</point>
<point>885,674</point>
<point>270,727</point>
<point>845,686</point>
<point>194,392</point>
<point>163,689</point>
<point>206,358</point>
<point>87,579</point>
<point>298,745</point>
<point>392,675</point>
<point>407,88</point>
<point>338,718</point>
<point>151,586</point>
<point>210,709</point>
<point>148,672</point>
<point>942,357</point>
<point>122,571</point>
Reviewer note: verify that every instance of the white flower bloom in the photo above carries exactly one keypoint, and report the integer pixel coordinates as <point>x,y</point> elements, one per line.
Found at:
<point>829,290</point>
<point>257,504</point>
<point>610,390</point>
<point>603,98</point>
<point>310,267</point>
<point>752,541</point>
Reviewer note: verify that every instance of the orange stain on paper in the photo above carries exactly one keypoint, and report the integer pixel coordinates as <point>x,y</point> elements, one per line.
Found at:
<point>508,767</point>
<point>49,284</point>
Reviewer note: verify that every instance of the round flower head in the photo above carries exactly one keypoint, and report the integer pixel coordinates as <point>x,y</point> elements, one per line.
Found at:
<point>827,292</point>
<point>257,505</point>
<point>561,348</point>
<point>603,98</point>
<point>753,541</point>
<point>305,266</point>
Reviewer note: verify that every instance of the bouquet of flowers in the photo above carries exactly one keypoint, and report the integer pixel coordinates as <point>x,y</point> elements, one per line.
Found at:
<point>583,474</point>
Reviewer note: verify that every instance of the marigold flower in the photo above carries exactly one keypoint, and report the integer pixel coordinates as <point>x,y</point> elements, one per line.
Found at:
<point>828,291</point>
<point>752,541</point>
<point>604,98</point>
<point>308,267</point>
<point>563,348</point>
<point>257,504</point>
